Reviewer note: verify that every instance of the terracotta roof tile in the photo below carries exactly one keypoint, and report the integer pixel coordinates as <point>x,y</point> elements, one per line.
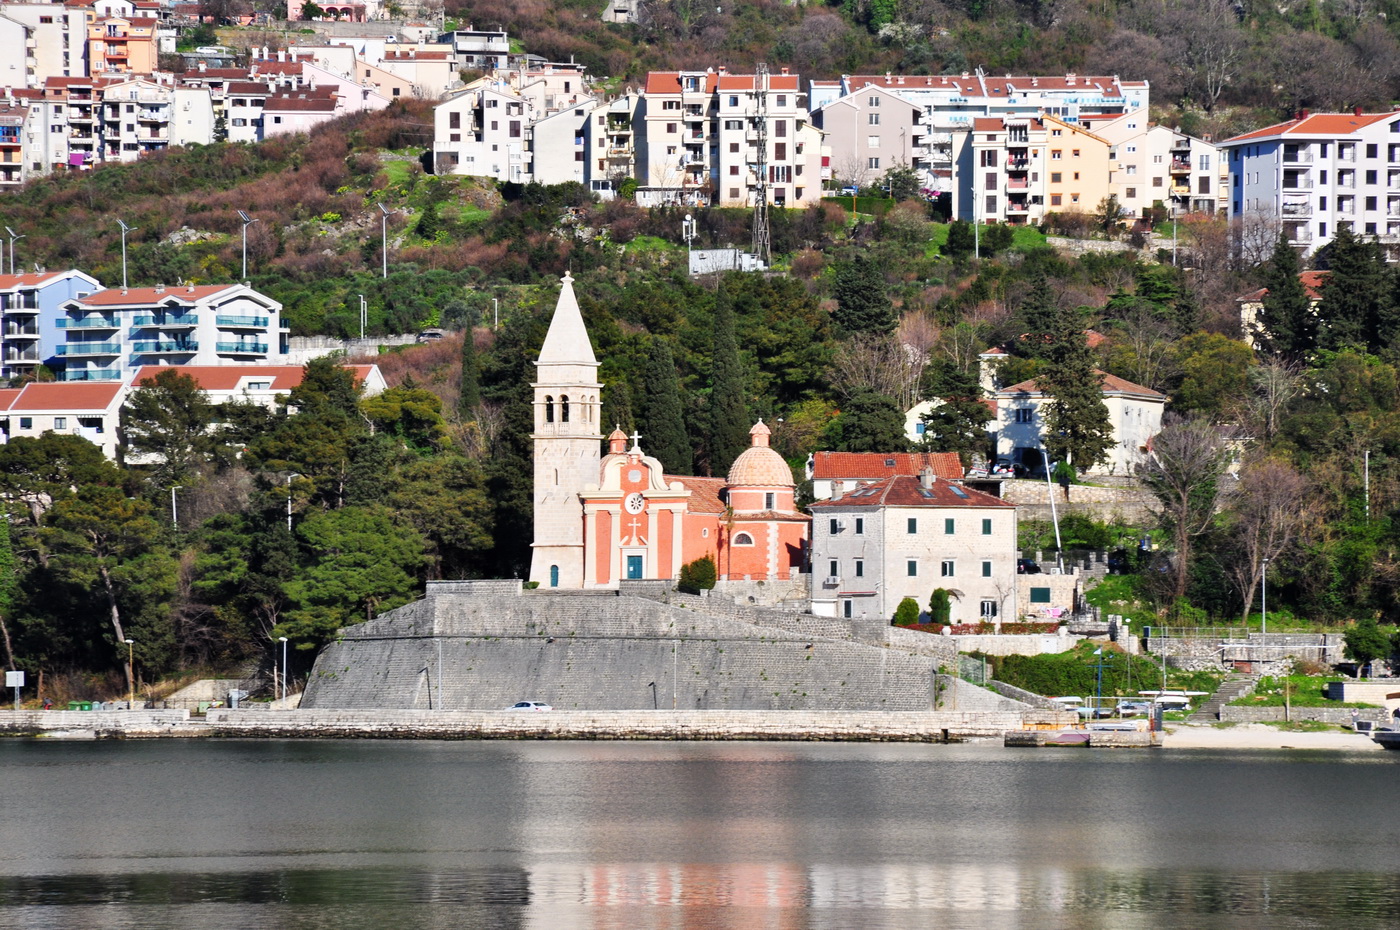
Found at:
<point>67,395</point>
<point>1320,124</point>
<point>872,465</point>
<point>27,279</point>
<point>1112,384</point>
<point>906,491</point>
<point>704,493</point>
<point>7,397</point>
<point>228,377</point>
<point>143,296</point>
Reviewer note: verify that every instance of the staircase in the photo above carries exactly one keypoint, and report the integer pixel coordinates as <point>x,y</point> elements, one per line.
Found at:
<point>1231,689</point>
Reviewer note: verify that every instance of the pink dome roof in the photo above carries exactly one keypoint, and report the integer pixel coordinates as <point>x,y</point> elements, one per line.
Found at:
<point>759,465</point>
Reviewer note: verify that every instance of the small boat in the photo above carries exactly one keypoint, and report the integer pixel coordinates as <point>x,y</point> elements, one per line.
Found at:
<point>1389,739</point>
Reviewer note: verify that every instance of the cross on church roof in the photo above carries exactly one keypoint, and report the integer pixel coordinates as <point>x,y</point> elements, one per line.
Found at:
<point>636,441</point>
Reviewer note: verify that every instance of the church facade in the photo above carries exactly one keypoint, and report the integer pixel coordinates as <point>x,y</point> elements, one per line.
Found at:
<point>600,519</point>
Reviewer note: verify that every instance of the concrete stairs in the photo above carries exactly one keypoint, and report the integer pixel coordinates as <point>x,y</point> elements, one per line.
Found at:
<point>1231,689</point>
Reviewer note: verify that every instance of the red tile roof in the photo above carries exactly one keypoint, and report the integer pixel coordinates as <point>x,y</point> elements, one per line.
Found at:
<point>144,296</point>
<point>1112,384</point>
<point>972,86</point>
<point>669,82</point>
<point>228,377</point>
<point>1321,124</point>
<point>7,397</point>
<point>746,82</point>
<point>301,103</point>
<point>27,279</point>
<point>1312,286</point>
<point>704,493</point>
<point>871,465</point>
<point>67,395</point>
<point>906,491</point>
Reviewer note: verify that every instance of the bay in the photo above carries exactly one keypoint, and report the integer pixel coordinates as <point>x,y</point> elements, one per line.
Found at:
<point>322,834</point>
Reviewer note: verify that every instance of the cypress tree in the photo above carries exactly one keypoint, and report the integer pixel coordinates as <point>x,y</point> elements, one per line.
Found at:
<point>1355,296</point>
<point>862,305</point>
<point>1077,428</point>
<point>470,397</point>
<point>1038,319</point>
<point>1286,324</point>
<point>729,417</point>
<point>663,424</point>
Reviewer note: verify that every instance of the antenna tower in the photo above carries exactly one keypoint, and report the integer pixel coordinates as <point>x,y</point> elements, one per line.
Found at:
<point>762,244</point>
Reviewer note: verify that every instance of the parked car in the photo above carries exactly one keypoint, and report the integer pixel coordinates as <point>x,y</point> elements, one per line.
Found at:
<point>530,706</point>
<point>1003,468</point>
<point>849,191</point>
<point>1132,708</point>
<point>1093,713</point>
<point>1027,567</point>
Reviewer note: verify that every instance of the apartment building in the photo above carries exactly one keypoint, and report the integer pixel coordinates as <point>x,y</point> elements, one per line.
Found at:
<point>89,411</point>
<point>54,43</point>
<point>1017,169</point>
<point>484,130</point>
<point>29,311</point>
<point>904,536</point>
<point>119,44</point>
<point>13,118</point>
<point>872,131</point>
<point>951,102</point>
<point>1151,164</point>
<point>112,332</point>
<point>1320,173</point>
<point>483,50</point>
<point>610,144</point>
<point>135,118</point>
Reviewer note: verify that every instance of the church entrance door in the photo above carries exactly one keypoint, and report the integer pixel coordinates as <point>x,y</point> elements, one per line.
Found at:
<point>634,567</point>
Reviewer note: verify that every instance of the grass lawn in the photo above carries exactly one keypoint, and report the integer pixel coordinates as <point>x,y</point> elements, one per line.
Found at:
<point>650,244</point>
<point>398,172</point>
<point>1303,691</point>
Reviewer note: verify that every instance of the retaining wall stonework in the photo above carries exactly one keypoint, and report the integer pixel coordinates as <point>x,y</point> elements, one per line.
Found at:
<point>1337,715</point>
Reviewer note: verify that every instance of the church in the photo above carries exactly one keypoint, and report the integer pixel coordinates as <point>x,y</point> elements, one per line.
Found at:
<point>600,519</point>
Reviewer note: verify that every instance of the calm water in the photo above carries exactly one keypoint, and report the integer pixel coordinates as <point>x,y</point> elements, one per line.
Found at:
<point>217,835</point>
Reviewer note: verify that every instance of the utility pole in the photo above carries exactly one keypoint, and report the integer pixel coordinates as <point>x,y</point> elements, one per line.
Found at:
<point>762,238</point>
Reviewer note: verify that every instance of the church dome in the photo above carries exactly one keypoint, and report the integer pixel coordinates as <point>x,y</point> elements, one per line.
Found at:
<point>759,465</point>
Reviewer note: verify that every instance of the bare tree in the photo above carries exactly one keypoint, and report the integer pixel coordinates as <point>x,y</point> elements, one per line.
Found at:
<point>969,337</point>
<point>1253,236</point>
<point>1267,513</point>
<point>1185,471</point>
<point>883,364</point>
<point>1273,383</point>
<point>1150,339</point>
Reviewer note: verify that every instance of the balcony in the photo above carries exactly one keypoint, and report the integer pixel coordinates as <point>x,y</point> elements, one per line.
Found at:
<point>186,320</point>
<point>92,374</point>
<point>259,322</point>
<point>241,348</point>
<point>1297,183</point>
<point>17,332</point>
<point>1299,156</point>
<point>1179,166</point>
<point>1013,206</point>
<point>91,322</point>
<point>73,349</point>
<point>1015,185</point>
<point>1017,164</point>
<point>1297,209</point>
<point>164,348</point>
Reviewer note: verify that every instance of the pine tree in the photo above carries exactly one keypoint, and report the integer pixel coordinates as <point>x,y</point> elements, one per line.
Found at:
<point>470,397</point>
<point>1039,319</point>
<point>729,417</point>
<point>959,423</point>
<point>1356,295</point>
<point>862,304</point>
<point>1077,427</point>
<point>1286,325</point>
<point>663,423</point>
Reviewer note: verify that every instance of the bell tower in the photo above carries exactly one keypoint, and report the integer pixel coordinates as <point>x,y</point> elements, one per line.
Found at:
<point>567,443</point>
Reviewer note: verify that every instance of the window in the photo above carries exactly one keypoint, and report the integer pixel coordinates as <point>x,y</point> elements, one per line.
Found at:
<point>670,127</point>
<point>60,422</point>
<point>873,101</point>
<point>734,169</point>
<point>665,105</point>
<point>782,100</point>
<point>947,568</point>
<point>860,526</point>
<point>1040,595</point>
<point>833,569</point>
<point>911,568</point>
<point>987,527</point>
<point>872,142</point>
<point>989,609</point>
<point>1076,175</point>
<point>454,121</point>
<point>1131,193</point>
<point>846,609</point>
<point>1372,151</point>
<point>1055,200</point>
<point>780,151</point>
<point>734,147</point>
<point>734,124</point>
<point>1370,203</point>
<point>913,525</point>
<point>873,163</point>
<point>733,100</point>
<point>991,204</point>
<point>1024,415</point>
<point>1203,161</point>
<point>1056,154</point>
<point>1075,153</point>
<point>874,119</point>
<point>834,528</point>
<point>769,501</point>
<point>743,539</point>
<point>1131,169</point>
<point>26,422</point>
<point>1371,177</point>
<point>860,568</point>
<point>986,569</point>
<point>1056,177</point>
<point>992,180</point>
<point>949,526</point>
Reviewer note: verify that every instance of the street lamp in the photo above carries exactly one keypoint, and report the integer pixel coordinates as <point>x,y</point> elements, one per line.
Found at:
<point>289,499</point>
<point>688,234</point>
<point>496,313</point>
<point>364,314</point>
<point>247,221</point>
<point>130,674</point>
<point>125,229</point>
<point>1264,601</point>
<point>13,236</point>
<point>283,641</point>
<point>384,238</point>
<point>174,506</point>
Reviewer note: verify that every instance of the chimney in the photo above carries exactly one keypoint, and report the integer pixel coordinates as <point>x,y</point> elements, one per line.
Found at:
<point>191,288</point>
<point>1356,111</point>
<point>160,288</point>
<point>785,70</point>
<point>926,477</point>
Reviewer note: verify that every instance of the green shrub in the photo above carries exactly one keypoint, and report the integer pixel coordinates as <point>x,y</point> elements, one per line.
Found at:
<point>907,613</point>
<point>940,605</point>
<point>698,576</point>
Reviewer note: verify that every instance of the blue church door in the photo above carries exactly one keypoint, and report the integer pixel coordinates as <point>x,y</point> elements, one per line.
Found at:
<point>554,576</point>
<point>634,567</point>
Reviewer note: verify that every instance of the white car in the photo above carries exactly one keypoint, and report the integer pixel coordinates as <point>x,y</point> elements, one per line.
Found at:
<point>529,705</point>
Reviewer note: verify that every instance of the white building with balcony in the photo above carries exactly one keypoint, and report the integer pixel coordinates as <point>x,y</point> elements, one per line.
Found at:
<point>1320,173</point>
<point>109,334</point>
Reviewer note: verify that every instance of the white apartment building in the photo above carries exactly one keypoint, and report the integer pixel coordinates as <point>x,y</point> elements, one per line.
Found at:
<point>1017,169</point>
<point>484,50</point>
<point>560,144</point>
<point>905,536</point>
<point>89,411</point>
<point>54,44</point>
<point>484,131</point>
<point>872,131</point>
<point>1152,164</point>
<point>1320,173</point>
<point>611,144</point>
<point>112,332</point>
<point>135,118</point>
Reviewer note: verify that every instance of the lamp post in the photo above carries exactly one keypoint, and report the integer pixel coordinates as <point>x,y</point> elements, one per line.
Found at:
<point>13,236</point>
<point>1264,600</point>
<point>495,313</point>
<point>384,239</point>
<point>130,674</point>
<point>174,506</point>
<point>283,641</point>
<point>125,229</point>
<point>247,221</point>
<point>364,314</point>
<point>289,499</point>
<point>1098,687</point>
<point>688,234</point>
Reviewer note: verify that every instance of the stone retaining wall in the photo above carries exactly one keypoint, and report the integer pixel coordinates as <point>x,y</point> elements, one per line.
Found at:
<point>133,722</point>
<point>959,695</point>
<point>1337,715</point>
<point>1029,698</point>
